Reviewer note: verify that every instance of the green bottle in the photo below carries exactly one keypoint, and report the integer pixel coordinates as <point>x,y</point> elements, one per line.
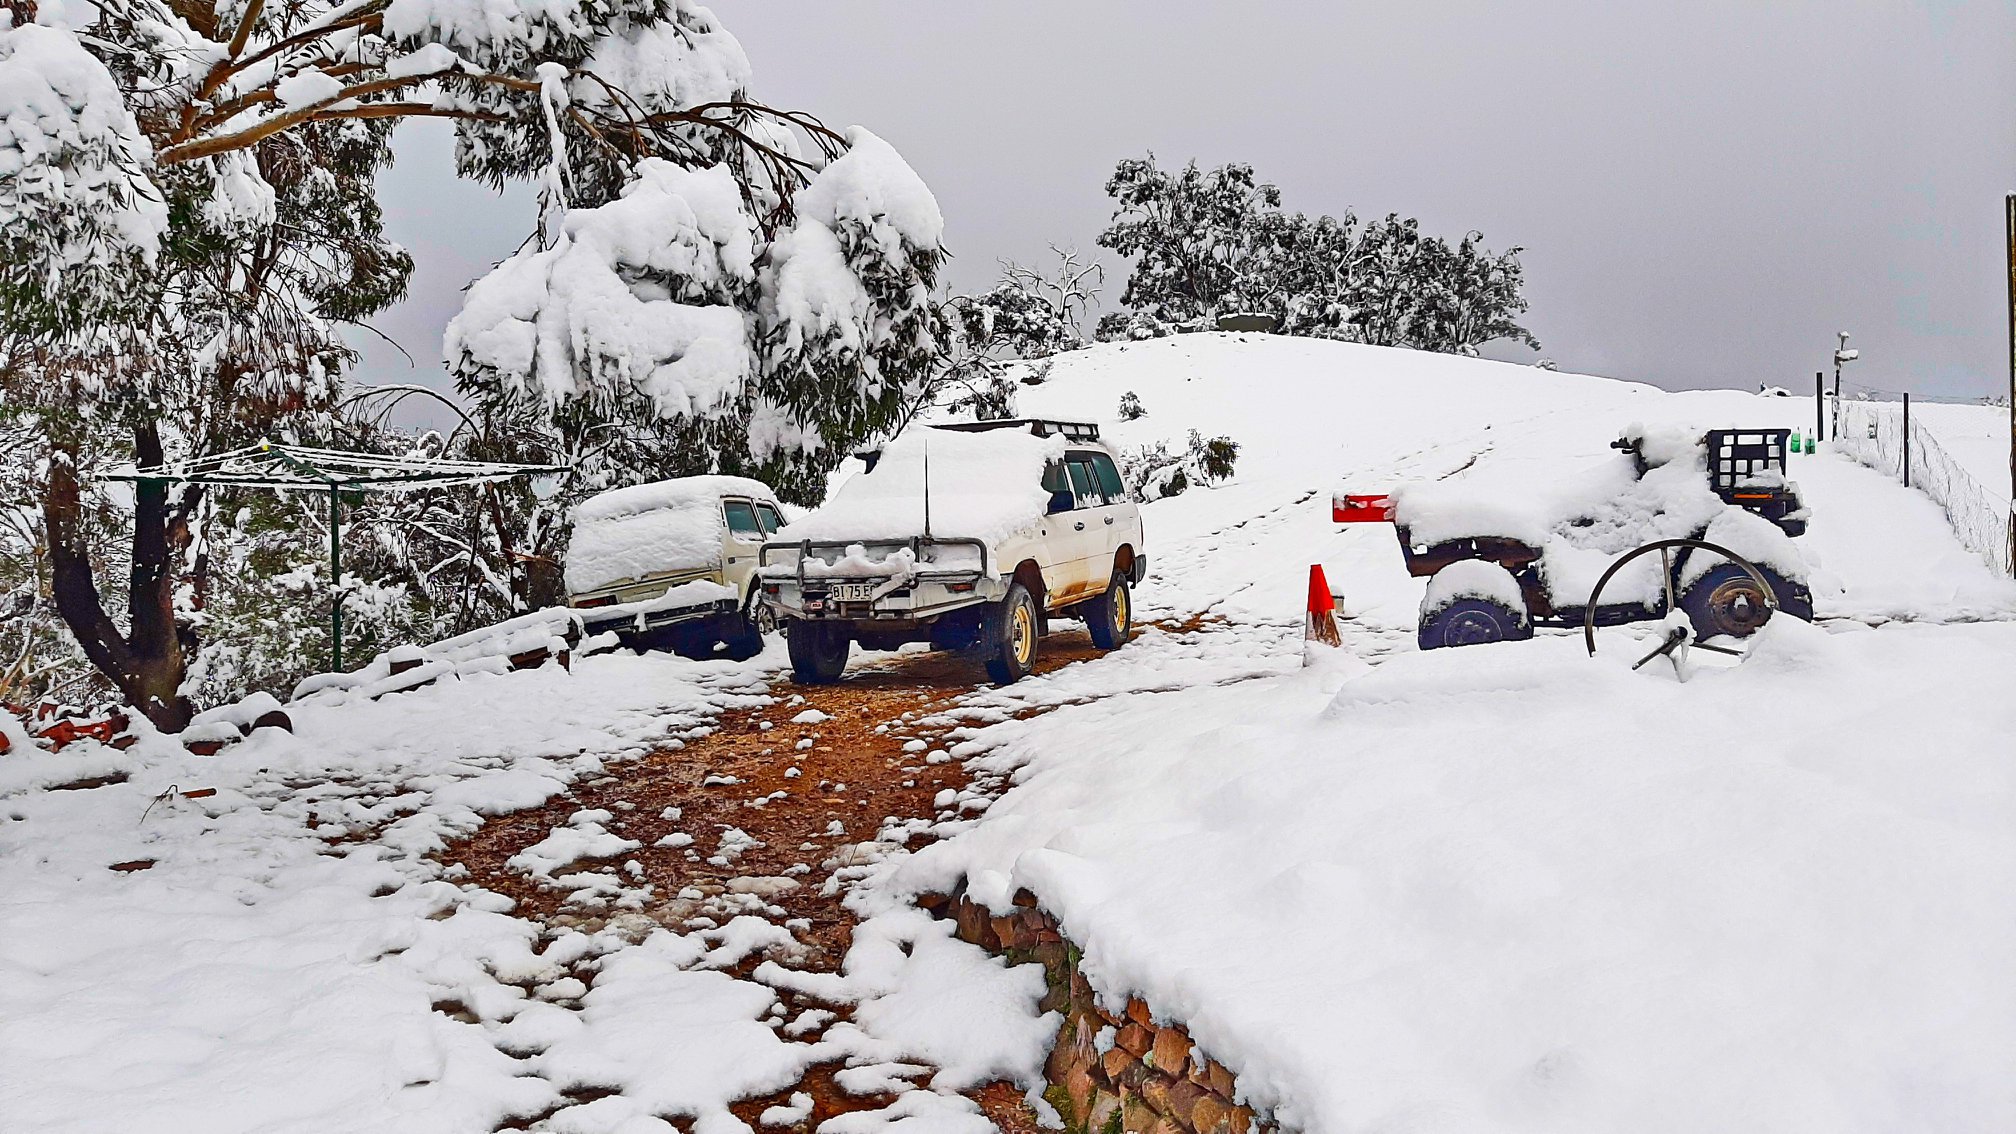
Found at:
<point>1795,440</point>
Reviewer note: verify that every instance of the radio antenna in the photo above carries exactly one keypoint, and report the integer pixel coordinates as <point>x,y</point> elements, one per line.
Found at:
<point>927,486</point>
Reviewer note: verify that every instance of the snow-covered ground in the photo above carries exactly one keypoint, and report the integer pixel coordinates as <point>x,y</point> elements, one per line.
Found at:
<point>286,958</point>
<point>1976,437</point>
<point>1503,887</point>
<point>1517,888</point>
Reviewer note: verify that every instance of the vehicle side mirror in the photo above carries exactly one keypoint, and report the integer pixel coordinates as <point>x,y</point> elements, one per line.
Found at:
<point>1061,502</point>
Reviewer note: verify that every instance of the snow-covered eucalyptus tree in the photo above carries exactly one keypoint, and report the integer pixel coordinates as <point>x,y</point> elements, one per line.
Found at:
<point>1208,243</point>
<point>188,218</point>
<point>1029,315</point>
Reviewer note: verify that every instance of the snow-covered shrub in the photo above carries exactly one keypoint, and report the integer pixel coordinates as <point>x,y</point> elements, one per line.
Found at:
<point>1215,456</point>
<point>1153,472</point>
<point>1131,408</point>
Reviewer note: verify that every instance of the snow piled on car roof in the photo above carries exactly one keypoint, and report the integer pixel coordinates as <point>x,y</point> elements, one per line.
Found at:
<point>984,486</point>
<point>628,533</point>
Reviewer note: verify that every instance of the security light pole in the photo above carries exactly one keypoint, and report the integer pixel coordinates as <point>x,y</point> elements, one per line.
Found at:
<point>1841,354</point>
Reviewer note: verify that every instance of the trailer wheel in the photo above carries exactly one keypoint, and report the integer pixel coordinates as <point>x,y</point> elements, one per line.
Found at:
<point>1759,597</point>
<point>818,651</point>
<point>1009,635</point>
<point>1472,622</point>
<point>1728,601</point>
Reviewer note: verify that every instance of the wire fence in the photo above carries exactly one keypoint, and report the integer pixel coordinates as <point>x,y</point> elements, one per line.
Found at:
<point>1876,434</point>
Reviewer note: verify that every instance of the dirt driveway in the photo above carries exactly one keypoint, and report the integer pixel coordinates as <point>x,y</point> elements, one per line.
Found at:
<point>770,813</point>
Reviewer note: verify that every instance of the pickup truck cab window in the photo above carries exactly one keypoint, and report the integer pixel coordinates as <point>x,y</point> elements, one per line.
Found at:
<point>769,518</point>
<point>742,519</point>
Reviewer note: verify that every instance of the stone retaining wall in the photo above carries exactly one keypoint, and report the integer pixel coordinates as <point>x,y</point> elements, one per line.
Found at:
<point>1109,1072</point>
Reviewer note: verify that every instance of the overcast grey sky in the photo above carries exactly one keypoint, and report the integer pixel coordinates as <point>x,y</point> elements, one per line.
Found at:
<point>1706,191</point>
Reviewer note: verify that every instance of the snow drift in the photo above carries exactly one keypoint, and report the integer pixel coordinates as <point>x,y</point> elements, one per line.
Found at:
<point>1508,888</point>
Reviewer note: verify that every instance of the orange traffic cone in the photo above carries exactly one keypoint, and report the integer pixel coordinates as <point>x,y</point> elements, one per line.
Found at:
<point>1321,623</point>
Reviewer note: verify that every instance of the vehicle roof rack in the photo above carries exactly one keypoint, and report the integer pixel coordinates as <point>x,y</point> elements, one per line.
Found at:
<point>1041,427</point>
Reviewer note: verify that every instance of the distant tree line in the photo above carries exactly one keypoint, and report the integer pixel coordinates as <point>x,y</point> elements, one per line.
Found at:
<point>1212,243</point>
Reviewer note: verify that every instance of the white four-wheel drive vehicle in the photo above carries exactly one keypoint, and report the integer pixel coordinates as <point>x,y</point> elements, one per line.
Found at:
<point>968,537</point>
<point>672,564</point>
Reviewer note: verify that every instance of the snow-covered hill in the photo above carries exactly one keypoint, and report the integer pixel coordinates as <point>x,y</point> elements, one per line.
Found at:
<point>1312,415</point>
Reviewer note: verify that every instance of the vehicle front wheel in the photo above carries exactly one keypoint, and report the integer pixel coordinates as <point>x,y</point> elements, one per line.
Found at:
<point>1008,643</point>
<point>818,652</point>
<point>1110,617</point>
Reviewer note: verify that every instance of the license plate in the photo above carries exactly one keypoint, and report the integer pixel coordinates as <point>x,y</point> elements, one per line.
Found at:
<point>850,592</point>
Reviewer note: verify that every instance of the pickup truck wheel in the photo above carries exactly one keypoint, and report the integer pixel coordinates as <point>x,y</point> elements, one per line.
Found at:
<point>1110,617</point>
<point>818,652</point>
<point>1008,644</point>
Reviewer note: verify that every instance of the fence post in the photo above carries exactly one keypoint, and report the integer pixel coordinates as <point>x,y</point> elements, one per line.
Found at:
<point>2010,202</point>
<point>1907,440</point>
<point>1820,405</point>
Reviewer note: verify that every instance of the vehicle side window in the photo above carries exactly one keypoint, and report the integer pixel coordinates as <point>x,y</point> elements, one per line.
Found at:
<point>1109,479</point>
<point>769,518</point>
<point>1084,485</point>
<point>742,519</point>
<point>1057,483</point>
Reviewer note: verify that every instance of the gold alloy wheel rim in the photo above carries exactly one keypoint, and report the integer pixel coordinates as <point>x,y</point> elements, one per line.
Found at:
<point>1120,611</point>
<point>1024,634</point>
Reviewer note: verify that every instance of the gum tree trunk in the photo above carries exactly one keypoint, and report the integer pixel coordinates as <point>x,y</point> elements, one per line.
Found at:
<point>149,662</point>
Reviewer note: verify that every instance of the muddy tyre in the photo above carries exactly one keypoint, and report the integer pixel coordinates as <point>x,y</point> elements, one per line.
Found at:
<point>1110,617</point>
<point>818,652</point>
<point>1727,601</point>
<point>1008,637</point>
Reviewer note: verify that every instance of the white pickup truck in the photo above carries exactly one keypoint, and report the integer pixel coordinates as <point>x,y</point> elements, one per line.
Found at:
<point>968,537</point>
<point>672,564</point>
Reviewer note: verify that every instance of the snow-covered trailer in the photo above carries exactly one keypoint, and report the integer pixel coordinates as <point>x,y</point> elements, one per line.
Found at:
<point>1502,559</point>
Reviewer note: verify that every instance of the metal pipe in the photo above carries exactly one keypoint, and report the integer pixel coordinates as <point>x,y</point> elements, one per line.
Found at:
<point>1907,440</point>
<point>335,580</point>
<point>1819,406</point>
<point>2010,202</point>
